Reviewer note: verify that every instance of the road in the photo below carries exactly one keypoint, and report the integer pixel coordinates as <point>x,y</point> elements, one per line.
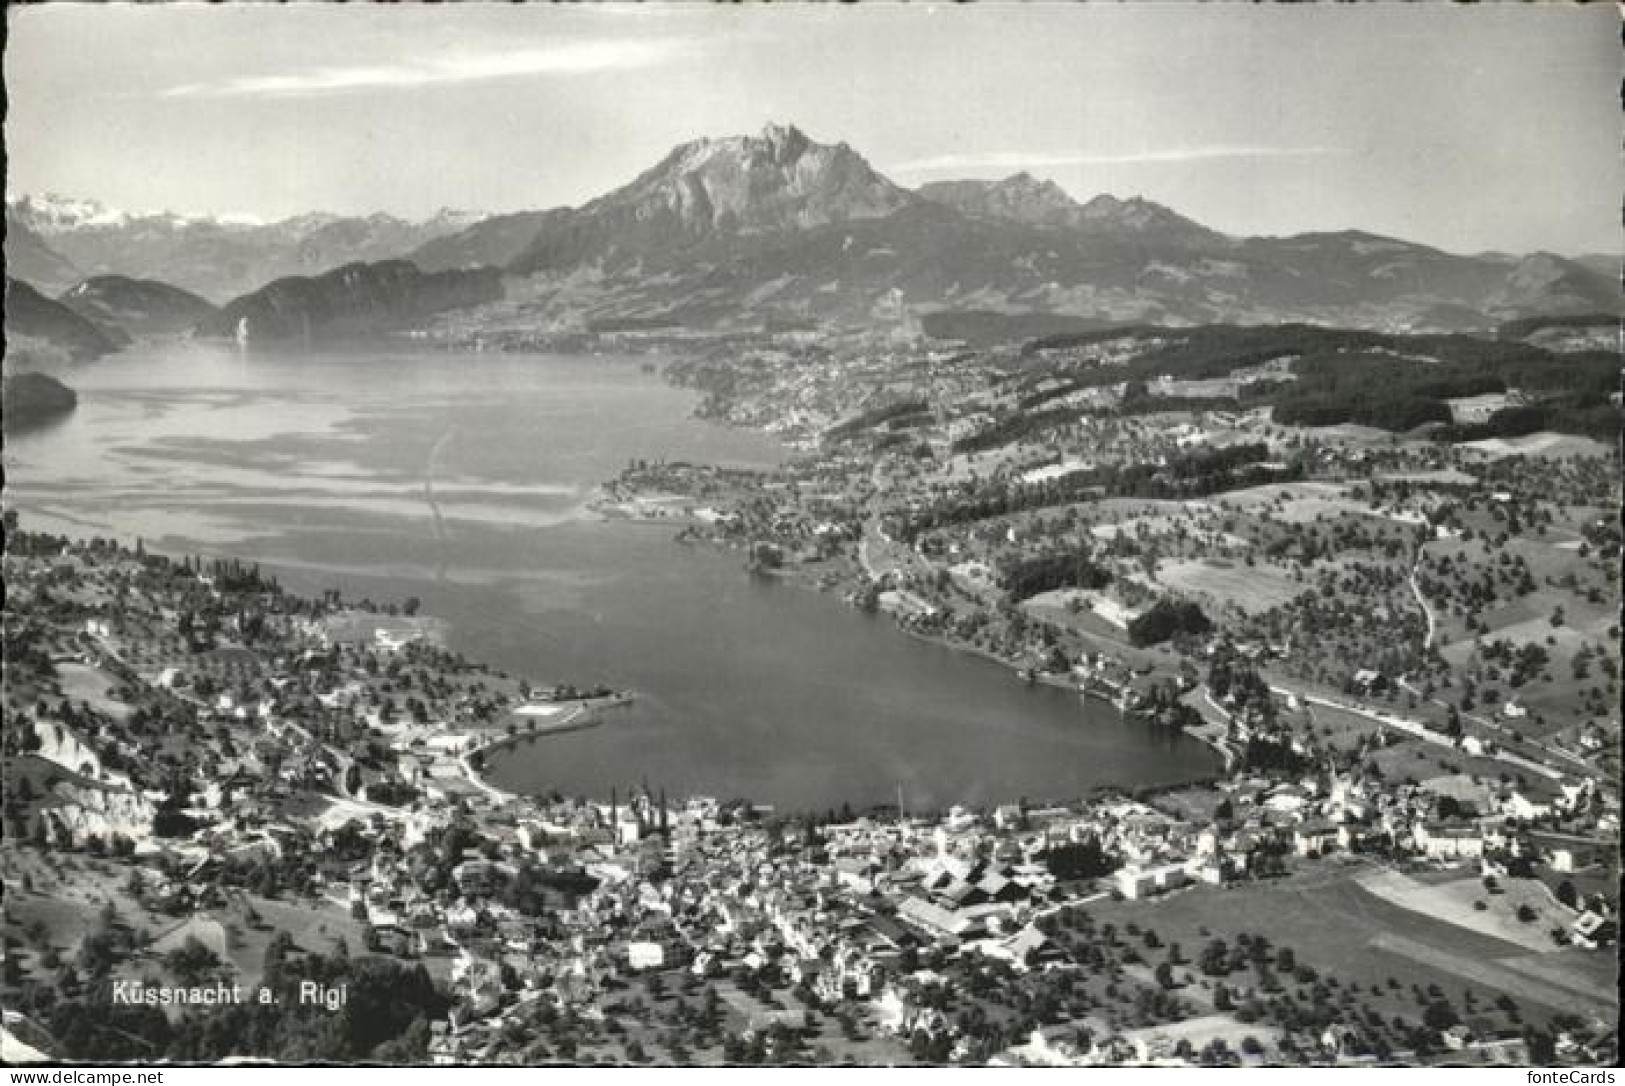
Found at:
<point>1427,608</point>
<point>1418,729</point>
<point>1574,761</point>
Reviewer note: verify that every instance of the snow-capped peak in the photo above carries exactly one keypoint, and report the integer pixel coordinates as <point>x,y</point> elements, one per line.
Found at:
<point>50,213</point>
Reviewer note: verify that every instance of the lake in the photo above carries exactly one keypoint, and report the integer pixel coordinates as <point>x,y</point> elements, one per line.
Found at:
<point>462,479</point>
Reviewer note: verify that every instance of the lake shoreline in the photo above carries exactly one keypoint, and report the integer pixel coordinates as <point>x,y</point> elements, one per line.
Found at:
<point>804,581</point>
<point>508,745</point>
<point>749,692</point>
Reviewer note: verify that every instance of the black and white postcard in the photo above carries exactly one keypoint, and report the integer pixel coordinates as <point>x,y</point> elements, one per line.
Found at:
<point>1067,535</point>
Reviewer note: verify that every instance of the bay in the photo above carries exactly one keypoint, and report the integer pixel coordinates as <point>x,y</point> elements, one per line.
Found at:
<point>462,479</point>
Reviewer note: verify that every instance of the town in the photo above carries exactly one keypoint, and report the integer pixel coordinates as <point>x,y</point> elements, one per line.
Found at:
<point>1404,647</point>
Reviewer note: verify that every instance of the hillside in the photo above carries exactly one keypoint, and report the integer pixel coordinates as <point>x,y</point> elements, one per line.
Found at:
<point>1317,376</point>
<point>28,257</point>
<point>490,243</point>
<point>1551,285</point>
<point>355,300</point>
<point>36,325</point>
<point>28,400</point>
<point>141,307</point>
<point>1603,264</point>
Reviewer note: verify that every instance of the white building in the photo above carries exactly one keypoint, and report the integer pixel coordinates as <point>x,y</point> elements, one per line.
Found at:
<point>644,955</point>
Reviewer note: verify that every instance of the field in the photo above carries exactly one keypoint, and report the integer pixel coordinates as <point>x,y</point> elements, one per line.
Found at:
<point>363,626</point>
<point>1452,476</point>
<point>1415,760</point>
<point>66,898</point>
<point>1298,503</point>
<point>252,920</point>
<point>1349,433</point>
<point>647,1002</point>
<point>1096,612</point>
<point>1199,1031</point>
<point>91,686</point>
<point>1528,621</point>
<point>1541,444</point>
<point>1454,900</point>
<point>1253,589</point>
<point>1341,728</point>
<point>1346,932</point>
<point>1530,979</point>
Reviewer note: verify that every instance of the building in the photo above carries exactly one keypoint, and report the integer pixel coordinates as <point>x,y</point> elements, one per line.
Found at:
<point>645,955</point>
<point>1314,838</point>
<point>1446,842</point>
<point>1367,681</point>
<point>934,918</point>
<point>1025,949</point>
<point>1135,882</point>
<point>1593,930</point>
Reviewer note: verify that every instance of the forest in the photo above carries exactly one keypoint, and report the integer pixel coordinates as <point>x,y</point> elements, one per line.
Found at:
<point>1390,382</point>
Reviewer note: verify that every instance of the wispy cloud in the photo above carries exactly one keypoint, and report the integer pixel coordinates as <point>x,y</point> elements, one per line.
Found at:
<point>1017,160</point>
<point>572,58</point>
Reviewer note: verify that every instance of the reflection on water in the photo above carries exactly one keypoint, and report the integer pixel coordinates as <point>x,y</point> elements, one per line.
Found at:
<point>461,480</point>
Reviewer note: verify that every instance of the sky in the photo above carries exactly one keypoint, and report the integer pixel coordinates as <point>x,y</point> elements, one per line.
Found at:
<point>1470,128</point>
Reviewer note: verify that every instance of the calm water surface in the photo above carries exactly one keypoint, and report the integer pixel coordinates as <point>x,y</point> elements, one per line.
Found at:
<point>461,479</point>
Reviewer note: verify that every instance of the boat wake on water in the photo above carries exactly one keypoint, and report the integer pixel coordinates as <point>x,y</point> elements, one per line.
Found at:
<point>434,506</point>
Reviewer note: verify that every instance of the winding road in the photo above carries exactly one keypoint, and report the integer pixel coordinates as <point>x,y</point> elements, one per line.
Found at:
<point>1427,608</point>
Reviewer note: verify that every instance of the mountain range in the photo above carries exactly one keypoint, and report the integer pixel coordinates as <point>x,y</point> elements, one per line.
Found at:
<point>747,231</point>
<point>357,299</point>
<point>1023,198</point>
<point>744,229</point>
<point>54,242</point>
<point>45,330</point>
<point>33,399</point>
<point>139,307</point>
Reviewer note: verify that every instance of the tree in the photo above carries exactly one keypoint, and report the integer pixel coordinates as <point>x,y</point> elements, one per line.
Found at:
<point>1439,1016</point>
<point>1566,894</point>
<point>1081,860</point>
<point>97,953</point>
<point>191,962</point>
<point>1165,619</point>
<point>411,1046</point>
